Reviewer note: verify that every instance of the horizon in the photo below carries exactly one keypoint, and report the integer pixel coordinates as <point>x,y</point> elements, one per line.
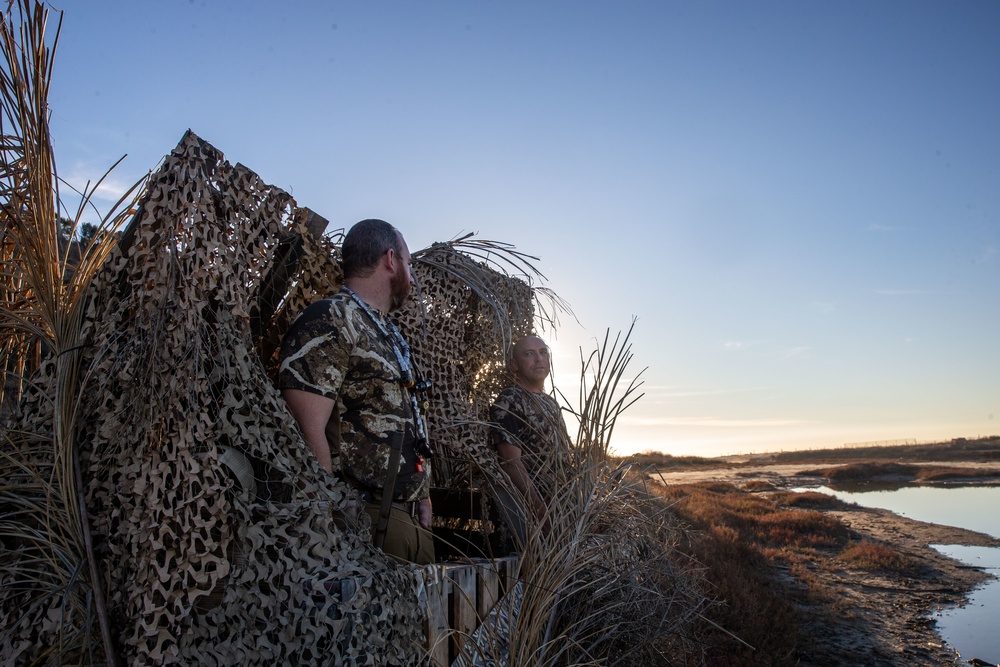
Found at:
<point>880,444</point>
<point>797,202</point>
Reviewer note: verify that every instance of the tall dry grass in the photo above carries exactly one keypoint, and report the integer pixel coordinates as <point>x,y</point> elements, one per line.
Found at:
<point>47,568</point>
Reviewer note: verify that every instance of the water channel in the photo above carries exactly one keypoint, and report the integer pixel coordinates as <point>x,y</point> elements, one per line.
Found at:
<point>972,628</point>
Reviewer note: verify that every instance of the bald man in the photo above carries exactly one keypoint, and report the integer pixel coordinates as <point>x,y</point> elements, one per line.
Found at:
<point>529,432</point>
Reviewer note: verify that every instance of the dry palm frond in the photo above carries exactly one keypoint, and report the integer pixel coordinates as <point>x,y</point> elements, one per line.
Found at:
<point>42,565</point>
<point>44,277</point>
<point>476,263</point>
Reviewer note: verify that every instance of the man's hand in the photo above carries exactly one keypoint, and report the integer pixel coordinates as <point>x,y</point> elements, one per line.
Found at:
<point>424,513</point>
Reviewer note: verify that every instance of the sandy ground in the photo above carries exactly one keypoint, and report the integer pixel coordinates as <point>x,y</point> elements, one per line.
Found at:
<point>883,619</point>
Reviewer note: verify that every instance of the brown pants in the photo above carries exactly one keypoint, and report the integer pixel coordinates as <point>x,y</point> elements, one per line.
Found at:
<point>405,539</point>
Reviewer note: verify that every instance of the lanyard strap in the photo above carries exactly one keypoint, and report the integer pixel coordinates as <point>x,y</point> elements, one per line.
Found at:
<point>391,333</point>
<point>403,358</point>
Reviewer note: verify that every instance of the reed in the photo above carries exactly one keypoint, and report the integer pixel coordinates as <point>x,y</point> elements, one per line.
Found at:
<point>45,272</point>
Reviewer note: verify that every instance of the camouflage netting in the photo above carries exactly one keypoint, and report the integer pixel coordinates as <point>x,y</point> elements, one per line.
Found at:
<point>221,539</point>
<point>461,350</point>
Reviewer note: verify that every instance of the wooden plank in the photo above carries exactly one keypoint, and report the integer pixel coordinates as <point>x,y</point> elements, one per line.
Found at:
<point>463,605</point>
<point>508,569</point>
<point>487,587</point>
<point>315,223</point>
<point>436,624</point>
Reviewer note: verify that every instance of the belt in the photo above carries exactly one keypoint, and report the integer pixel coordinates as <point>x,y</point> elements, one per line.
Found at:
<point>411,507</point>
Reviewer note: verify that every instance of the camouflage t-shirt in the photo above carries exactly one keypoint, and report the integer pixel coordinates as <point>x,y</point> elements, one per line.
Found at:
<point>334,349</point>
<point>533,422</point>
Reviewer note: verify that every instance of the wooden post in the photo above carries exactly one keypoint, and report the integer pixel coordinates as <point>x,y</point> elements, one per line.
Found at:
<point>487,587</point>
<point>463,605</point>
<point>436,628</point>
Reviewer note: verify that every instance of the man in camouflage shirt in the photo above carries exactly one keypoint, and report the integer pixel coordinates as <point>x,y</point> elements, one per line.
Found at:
<point>346,374</point>
<point>529,432</point>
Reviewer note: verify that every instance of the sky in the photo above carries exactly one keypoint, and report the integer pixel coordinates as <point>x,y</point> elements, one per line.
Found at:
<point>797,202</point>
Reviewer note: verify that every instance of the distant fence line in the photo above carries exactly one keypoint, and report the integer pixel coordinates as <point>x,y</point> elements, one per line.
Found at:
<point>883,443</point>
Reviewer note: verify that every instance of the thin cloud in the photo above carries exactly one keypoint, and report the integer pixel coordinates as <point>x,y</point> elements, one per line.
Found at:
<point>890,291</point>
<point>987,255</point>
<point>109,191</point>
<point>707,422</point>
<point>740,344</point>
<point>795,352</point>
<point>680,392</point>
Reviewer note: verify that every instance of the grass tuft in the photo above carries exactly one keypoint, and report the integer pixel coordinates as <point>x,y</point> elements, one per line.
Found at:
<point>875,556</point>
<point>870,471</point>
<point>954,474</point>
<point>808,500</point>
<point>758,486</point>
<point>866,471</point>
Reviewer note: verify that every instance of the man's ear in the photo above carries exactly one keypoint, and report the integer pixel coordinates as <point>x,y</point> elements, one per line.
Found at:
<point>389,260</point>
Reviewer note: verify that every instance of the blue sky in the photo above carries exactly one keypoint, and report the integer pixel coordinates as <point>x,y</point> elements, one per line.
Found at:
<point>799,201</point>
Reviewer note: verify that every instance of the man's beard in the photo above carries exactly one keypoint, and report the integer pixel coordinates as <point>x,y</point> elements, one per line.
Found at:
<point>399,289</point>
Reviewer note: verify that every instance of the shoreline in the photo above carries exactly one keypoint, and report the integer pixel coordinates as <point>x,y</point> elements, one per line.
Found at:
<point>891,616</point>
<point>879,619</point>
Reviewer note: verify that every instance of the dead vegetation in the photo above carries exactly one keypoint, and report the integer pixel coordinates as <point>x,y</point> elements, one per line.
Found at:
<point>881,471</point>
<point>764,555</point>
<point>981,449</point>
<point>869,555</point>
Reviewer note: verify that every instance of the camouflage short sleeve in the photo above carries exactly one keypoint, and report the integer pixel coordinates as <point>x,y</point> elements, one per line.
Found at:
<point>316,350</point>
<point>335,350</point>
<point>534,423</point>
